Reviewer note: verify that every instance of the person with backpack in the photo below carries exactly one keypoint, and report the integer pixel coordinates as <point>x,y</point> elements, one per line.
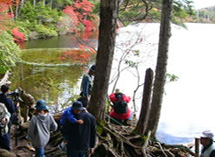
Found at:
<point>120,110</point>
<point>40,126</point>
<point>4,131</point>
<point>11,107</point>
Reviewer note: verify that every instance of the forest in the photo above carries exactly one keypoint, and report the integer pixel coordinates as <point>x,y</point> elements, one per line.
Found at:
<point>23,20</point>
<point>205,15</point>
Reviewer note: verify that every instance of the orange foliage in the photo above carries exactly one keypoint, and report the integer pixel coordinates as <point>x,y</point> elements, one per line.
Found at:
<point>7,2</point>
<point>80,12</point>
<point>18,36</point>
<point>79,56</point>
<point>5,17</point>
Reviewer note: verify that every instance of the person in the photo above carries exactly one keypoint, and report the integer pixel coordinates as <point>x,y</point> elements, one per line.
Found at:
<point>125,116</point>
<point>4,131</point>
<point>40,126</point>
<point>68,116</point>
<point>87,82</point>
<point>208,149</point>
<point>81,138</point>
<point>11,107</point>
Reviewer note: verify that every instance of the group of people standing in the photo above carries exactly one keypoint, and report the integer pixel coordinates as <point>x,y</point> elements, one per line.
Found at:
<point>77,125</point>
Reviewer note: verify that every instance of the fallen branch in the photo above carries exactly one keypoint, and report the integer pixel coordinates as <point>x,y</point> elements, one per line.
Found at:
<point>5,78</point>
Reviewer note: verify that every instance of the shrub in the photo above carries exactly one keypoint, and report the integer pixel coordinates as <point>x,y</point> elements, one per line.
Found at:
<point>8,52</point>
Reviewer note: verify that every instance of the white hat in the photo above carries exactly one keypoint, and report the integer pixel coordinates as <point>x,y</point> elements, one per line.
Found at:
<point>207,134</point>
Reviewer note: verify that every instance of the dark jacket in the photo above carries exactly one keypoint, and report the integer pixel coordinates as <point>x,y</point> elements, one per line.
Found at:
<point>82,137</point>
<point>8,103</point>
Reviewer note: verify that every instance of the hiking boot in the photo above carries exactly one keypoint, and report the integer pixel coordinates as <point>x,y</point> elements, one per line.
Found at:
<point>30,147</point>
<point>127,122</point>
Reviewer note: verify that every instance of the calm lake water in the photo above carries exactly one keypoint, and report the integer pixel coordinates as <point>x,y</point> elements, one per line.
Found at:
<point>188,103</point>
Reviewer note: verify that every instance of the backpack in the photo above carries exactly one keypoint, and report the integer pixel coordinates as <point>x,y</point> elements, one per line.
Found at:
<point>120,106</point>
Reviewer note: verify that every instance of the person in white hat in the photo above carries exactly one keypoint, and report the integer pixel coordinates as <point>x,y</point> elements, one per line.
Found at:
<point>208,149</point>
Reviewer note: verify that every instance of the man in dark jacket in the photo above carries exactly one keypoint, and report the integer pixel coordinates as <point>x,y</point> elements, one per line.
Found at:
<point>7,101</point>
<point>81,138</point>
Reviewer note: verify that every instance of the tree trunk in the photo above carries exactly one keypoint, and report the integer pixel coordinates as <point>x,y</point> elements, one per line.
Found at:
<point>51,4</point>
<point>17,10</point>
<point>160,75</point>
<point>12,13</point>
<point>34,3</point>
<point>44,3</point>
<point>145,110</point>
<point>107,34</point>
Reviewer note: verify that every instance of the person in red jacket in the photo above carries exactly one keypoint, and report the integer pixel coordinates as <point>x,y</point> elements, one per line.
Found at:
<point>125,115</point>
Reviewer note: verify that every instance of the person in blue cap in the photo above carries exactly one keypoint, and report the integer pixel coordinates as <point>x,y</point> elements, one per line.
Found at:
<point>81,138</point>
<point>87,82</point>
<point>66,118</point>
<point>40,126</point>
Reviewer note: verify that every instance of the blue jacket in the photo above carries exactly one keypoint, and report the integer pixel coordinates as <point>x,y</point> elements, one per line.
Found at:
<point>86,85</point>
<point>82,137</point>
<point>68,114</point>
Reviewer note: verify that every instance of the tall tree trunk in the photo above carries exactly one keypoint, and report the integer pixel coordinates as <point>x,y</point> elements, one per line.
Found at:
<point>107,34</point>
<point>11,10</point>
<point>160,73</point>
<point>17,10</point>
<point>34,3</point>
<point>51,4</point>
<point>44,3</point>
<point>145,109</point>
<point>22,5</point>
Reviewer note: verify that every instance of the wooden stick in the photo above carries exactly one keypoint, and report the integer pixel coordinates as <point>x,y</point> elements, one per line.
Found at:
<point>197,141</point>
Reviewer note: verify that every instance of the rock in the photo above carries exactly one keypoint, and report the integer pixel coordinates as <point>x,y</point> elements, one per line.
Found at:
<point>5,153</point>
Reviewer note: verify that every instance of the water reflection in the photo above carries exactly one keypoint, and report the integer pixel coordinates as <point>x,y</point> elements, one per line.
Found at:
<point>63,41</point>
<point>47,77</point>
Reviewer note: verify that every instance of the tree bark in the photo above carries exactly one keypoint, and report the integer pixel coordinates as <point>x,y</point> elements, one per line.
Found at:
<point>145,110</point>
<point>107,34</point>
<point>160,73</point>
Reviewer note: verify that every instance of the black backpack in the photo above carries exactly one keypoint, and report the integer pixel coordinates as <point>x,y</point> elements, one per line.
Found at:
<point>120,106</point>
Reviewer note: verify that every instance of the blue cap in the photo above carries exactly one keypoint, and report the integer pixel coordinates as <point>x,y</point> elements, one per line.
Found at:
<point>77,106</point>
<point>41,105</point>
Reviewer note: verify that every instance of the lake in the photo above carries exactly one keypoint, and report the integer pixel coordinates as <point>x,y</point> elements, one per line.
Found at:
<point>188,103</point>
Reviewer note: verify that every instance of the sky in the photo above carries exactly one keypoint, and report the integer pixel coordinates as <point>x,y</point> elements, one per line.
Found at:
<point>203,3</point>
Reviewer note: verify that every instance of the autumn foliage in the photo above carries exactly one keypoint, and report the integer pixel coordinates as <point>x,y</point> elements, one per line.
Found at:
<point>78,56</point>
<point>5,16</point>
<point>18,36</point>
<point>80,12</point>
